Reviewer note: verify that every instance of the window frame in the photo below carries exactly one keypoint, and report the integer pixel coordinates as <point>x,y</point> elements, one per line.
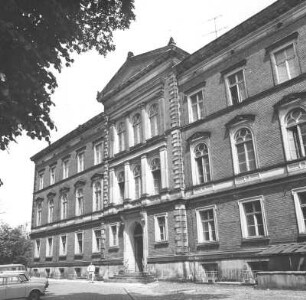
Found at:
<point>40,180</point>
<point>37,249</point>
<point>112,242</point>
<point>156,190</point>
<point>65,166</point>
<point>138,178</point>
<point>52,175</point>
<point>80,161</point>
<point>190,110</point>
<point>51,210</point>
<point>298,210</point>
<point>154,128</point>
<point>94,194</point>
<point>76,243</point>
<point>233,133</point>
<point>96,247</point>
<point>200,229</point>
<point>39,213</point>
<point>137,139</point>
<point>63,197</point>
<point>49,248</point>
<point>273,60</point>
<point>61,252</point>
<point>157,232</point>
<point>79,210</point>
<point>243,220</point>
<point>228,86</point>
<point>121,183</point>
<point>121,135</point>
<point>98,153</point>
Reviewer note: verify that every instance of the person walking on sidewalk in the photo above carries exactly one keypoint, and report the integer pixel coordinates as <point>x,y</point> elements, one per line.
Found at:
<point>91,271</point>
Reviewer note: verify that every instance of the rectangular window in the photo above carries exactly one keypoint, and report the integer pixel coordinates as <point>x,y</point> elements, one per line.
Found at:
<point>96,240</point>
<point>52,175</point>
<point>79,243</point>
<point>236,86</point>
<point>41,181</point>
<point>65,169</point>
<point>98,153</point>
<point>196,106</point>
<point>80,161</point>
<point>161,228</point>
<point>37,248</point>
<point>49,249</point>
<point>63,245</point>
<point>206,225</point>
<point>299,196</point>
<point>252,218</point>
<point>113,235</point>
<point>285,62</point>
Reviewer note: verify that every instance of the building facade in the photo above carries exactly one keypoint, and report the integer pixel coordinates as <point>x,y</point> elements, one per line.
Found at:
<point>202,169</point>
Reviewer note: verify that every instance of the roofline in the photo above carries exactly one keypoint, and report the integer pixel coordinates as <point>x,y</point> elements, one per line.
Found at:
<point>171,51</point>
<point>69,136</point>
<point>256,21</point>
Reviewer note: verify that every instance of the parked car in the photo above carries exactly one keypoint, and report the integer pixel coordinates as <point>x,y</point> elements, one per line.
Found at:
<point>21,269</point>
<point>17,286</point>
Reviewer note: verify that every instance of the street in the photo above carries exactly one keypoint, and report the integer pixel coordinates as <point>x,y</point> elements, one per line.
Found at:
<point>83,290</point>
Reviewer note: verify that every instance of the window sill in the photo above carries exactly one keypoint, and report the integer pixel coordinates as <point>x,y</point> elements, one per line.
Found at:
<point>78,256</point>
<point>161,244</point>
<point>256,240</point>
<point>113,249</point>
<point>302,237</point>
<point>208,245</point>
<point>96,254</point>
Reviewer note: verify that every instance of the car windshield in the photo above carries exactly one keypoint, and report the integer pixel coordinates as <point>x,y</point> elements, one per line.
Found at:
<point>23,277</point>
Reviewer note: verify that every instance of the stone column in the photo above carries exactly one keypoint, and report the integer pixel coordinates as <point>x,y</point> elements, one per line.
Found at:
<point>145,238</point>
<point>164,167</point>
<point>180,228</point>
<point>129,132</point>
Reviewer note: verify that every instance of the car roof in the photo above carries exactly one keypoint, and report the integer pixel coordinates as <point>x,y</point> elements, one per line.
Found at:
<point>9,274</point>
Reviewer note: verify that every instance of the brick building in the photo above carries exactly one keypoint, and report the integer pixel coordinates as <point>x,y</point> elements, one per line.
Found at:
<point>203,168</point>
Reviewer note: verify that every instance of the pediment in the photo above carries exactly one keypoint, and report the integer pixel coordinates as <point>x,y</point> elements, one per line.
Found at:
<point>199,135</point>
<point>96,176</point>
<point>79,183</point>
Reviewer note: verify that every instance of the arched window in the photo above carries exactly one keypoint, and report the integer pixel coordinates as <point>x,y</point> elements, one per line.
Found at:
<point>202,163</point>
<point>121,136</point>
<point>97,195</point>
<point>64,206</point>
<point>50,210</point>
<point>153,116</point>
<point>296,132</point>
<point>137,181</point>
<point>137,128</point>
<point>120,179</point>
<point>245,150</point>
<point>79,202</point>
<point>155,168</point>
<point>38,213</point>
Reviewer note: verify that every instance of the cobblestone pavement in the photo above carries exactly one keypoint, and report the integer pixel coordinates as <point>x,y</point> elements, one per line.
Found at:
<point>83,290</point>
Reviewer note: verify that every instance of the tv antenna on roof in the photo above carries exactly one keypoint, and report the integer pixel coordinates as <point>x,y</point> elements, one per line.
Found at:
<point>217,30</point>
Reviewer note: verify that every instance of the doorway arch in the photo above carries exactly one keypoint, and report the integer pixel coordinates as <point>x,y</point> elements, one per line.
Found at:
<point>138,247</point>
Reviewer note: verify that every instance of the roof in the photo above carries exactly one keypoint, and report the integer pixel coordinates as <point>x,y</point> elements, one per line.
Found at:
<point>136,66</point>
<point>243,29</point>
<point>288,248</point>
<point>69,136</point>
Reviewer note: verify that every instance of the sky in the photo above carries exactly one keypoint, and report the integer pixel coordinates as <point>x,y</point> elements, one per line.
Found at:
<point>191,25</point>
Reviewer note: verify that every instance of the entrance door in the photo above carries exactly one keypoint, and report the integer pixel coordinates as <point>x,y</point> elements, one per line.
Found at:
<point>138,247</point>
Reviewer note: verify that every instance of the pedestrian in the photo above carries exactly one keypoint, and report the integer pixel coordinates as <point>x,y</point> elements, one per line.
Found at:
<point>91,271</point>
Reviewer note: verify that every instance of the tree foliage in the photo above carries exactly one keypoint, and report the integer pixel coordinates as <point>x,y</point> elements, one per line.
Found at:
<point>38,36</point>
<point>15,245</point>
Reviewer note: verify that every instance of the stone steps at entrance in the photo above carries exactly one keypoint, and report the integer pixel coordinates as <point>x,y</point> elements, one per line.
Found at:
<point>140,277</point>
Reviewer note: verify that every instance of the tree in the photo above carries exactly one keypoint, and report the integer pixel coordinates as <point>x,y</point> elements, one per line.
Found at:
<point>38,37</point>
<point>15,245</point>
